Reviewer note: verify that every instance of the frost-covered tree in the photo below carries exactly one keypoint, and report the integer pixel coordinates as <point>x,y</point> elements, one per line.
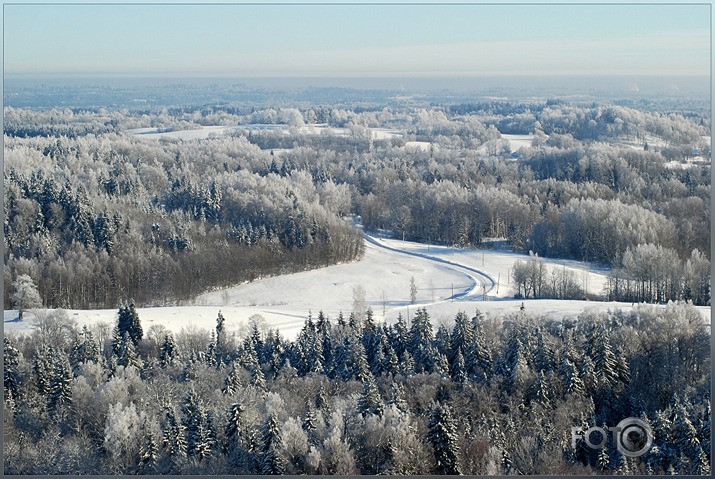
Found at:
<point>271,461</point>
<point>370,401</point>
<point>26,295</point>
<point>60,384</point>
<point>168,351</point>
<point>123,436</point>
<point>442,436</point>
<point>129,323</point>
<point>11,376</point>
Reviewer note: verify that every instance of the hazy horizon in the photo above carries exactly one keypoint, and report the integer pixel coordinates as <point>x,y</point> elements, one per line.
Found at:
<point>352,40</point>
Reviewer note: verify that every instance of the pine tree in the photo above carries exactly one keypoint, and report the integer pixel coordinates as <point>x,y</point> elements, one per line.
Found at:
<point>604,460</point>
<point>442,340</point>
<point>60,392</point>
<point>477,358</point>
<point>309,422</point>
<point>413,290</point>
<point>459,373</point>
<point>234,425</point>
<point>701,466</point>
<point>206,437</point>
<point>127,355</point>
<point>407,366</point>
<point>515,369</point>
<point>571,379</point>
<point>370,401</point>
<point>439,364</point>
<point>129,323</point>
<point>400,335</point>
<point>84,350</point>
<point>258,380</point>
<point>397,397</point>
<point>544,357</point>
<point>11,361</point>
<point>220,347</point>
<point>194,424</point>
<point>148,452</point>
<point>684,434</point>
<point>461,337</point>
<point>598,347</point>
<point>443,437</point>
<point>420,342</point>
<point>542,390</point>
<point>167,351</point>
<point>271,461</point>
<point>232,381</point>
<point>42,369</point>
<point>173,438</point>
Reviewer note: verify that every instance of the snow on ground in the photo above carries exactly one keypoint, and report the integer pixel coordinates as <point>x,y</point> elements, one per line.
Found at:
<point>653,142</point>
<point>517,142</point>
<point>197,134</point>
<point>448,280</point>
<point>206,131</point>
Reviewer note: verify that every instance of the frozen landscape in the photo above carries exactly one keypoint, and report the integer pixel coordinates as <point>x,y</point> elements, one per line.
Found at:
<point>446,280</point>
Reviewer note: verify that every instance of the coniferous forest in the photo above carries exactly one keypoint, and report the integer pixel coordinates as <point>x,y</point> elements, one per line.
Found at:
<point>349,396</point>
<point>98,213</point>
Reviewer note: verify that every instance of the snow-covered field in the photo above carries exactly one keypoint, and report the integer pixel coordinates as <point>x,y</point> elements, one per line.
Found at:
<point>217,130</point>
<point>448,280</point>
<point>517,142</point>
<point>197,134</point>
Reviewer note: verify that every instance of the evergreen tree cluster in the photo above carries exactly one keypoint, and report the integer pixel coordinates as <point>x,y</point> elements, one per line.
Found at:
<point>352,396</point>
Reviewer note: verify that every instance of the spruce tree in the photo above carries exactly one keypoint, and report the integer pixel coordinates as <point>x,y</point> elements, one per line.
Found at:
<point>461,337</point>
<point>193,422</point>
<point>60,392</point>
<point>370,401</point>
<point>459,373</point>
<point>598,347</point>
<point>167,351</point>
<point>232,381</point>
<point>128,322</point>
<point>173,437</point>
<point>443,437</point>
<point>84,350</point>
<point>42,369</point>
<point>271,461</point>
<point>127,355</point>
<point>420,341</point>
<point>11,361</point>
<point>148,451</point>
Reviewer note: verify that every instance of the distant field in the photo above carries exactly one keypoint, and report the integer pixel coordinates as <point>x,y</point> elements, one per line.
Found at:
<point>285,301</point>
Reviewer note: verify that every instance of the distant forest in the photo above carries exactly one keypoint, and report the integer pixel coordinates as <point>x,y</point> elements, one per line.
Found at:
<point>95,216</point>
<point>350,396</point>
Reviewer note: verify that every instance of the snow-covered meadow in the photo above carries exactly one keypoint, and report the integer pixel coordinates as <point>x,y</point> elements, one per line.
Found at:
<point>446,278</point>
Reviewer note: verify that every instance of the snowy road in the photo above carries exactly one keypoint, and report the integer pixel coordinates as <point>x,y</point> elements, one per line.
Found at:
<point>483,284</point>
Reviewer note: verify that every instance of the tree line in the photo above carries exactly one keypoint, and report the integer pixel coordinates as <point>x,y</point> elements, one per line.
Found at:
<point>352,396</point>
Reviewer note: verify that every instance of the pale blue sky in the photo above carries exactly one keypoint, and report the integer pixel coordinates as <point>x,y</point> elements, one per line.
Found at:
<point>357,40</point>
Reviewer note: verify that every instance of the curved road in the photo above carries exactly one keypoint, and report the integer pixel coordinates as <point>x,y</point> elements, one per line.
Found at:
<point>483,283</point>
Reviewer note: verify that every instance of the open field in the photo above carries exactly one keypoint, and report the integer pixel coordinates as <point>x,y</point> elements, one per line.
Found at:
<point>446,280</point>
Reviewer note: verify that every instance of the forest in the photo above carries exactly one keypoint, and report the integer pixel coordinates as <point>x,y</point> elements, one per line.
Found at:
<point>129,207</point>
<point>350,396</point>
<point>96,215</point>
